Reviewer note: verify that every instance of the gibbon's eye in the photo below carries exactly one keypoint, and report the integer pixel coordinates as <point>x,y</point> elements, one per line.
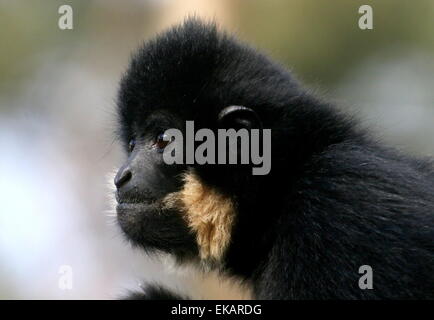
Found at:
<point>161,141</point>
<point>131,145</point>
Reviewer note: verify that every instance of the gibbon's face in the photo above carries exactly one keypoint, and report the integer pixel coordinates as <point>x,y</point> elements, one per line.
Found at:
<point>171,207</point>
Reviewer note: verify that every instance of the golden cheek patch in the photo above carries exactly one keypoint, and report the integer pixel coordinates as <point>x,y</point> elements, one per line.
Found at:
<point>207,212</point>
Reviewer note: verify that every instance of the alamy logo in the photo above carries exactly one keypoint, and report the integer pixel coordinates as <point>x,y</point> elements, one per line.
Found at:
<point>244,145</point>
<point>365,281</point>
<point>65,20</point>
<point>65,279</point>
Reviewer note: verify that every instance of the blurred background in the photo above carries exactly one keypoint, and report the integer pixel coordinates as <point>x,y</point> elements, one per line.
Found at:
<point>57,99</point>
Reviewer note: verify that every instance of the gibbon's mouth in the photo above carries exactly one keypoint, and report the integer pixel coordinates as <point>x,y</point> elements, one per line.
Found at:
<point>136,207</point>
<point>135,210</point>
<point>132,205</point>
<point>122,200</point>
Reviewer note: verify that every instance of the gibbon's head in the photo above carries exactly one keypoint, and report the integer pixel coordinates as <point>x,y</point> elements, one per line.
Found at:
<point>208,211</point>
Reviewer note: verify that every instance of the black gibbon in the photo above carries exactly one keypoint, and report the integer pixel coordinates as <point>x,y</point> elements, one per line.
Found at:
<point>334,200</point>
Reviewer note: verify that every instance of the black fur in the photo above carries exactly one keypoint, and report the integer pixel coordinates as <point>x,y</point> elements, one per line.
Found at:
<point>335,199</point>
<point>155,292</point>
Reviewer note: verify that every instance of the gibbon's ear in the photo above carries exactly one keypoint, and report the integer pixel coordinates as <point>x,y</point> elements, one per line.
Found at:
<point>238,117</point>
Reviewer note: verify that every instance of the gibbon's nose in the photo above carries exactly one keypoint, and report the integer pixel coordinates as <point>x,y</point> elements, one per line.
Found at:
<point>123,176</point>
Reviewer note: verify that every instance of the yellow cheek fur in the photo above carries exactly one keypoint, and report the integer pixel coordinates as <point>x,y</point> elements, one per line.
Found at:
<point>207,212</point>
